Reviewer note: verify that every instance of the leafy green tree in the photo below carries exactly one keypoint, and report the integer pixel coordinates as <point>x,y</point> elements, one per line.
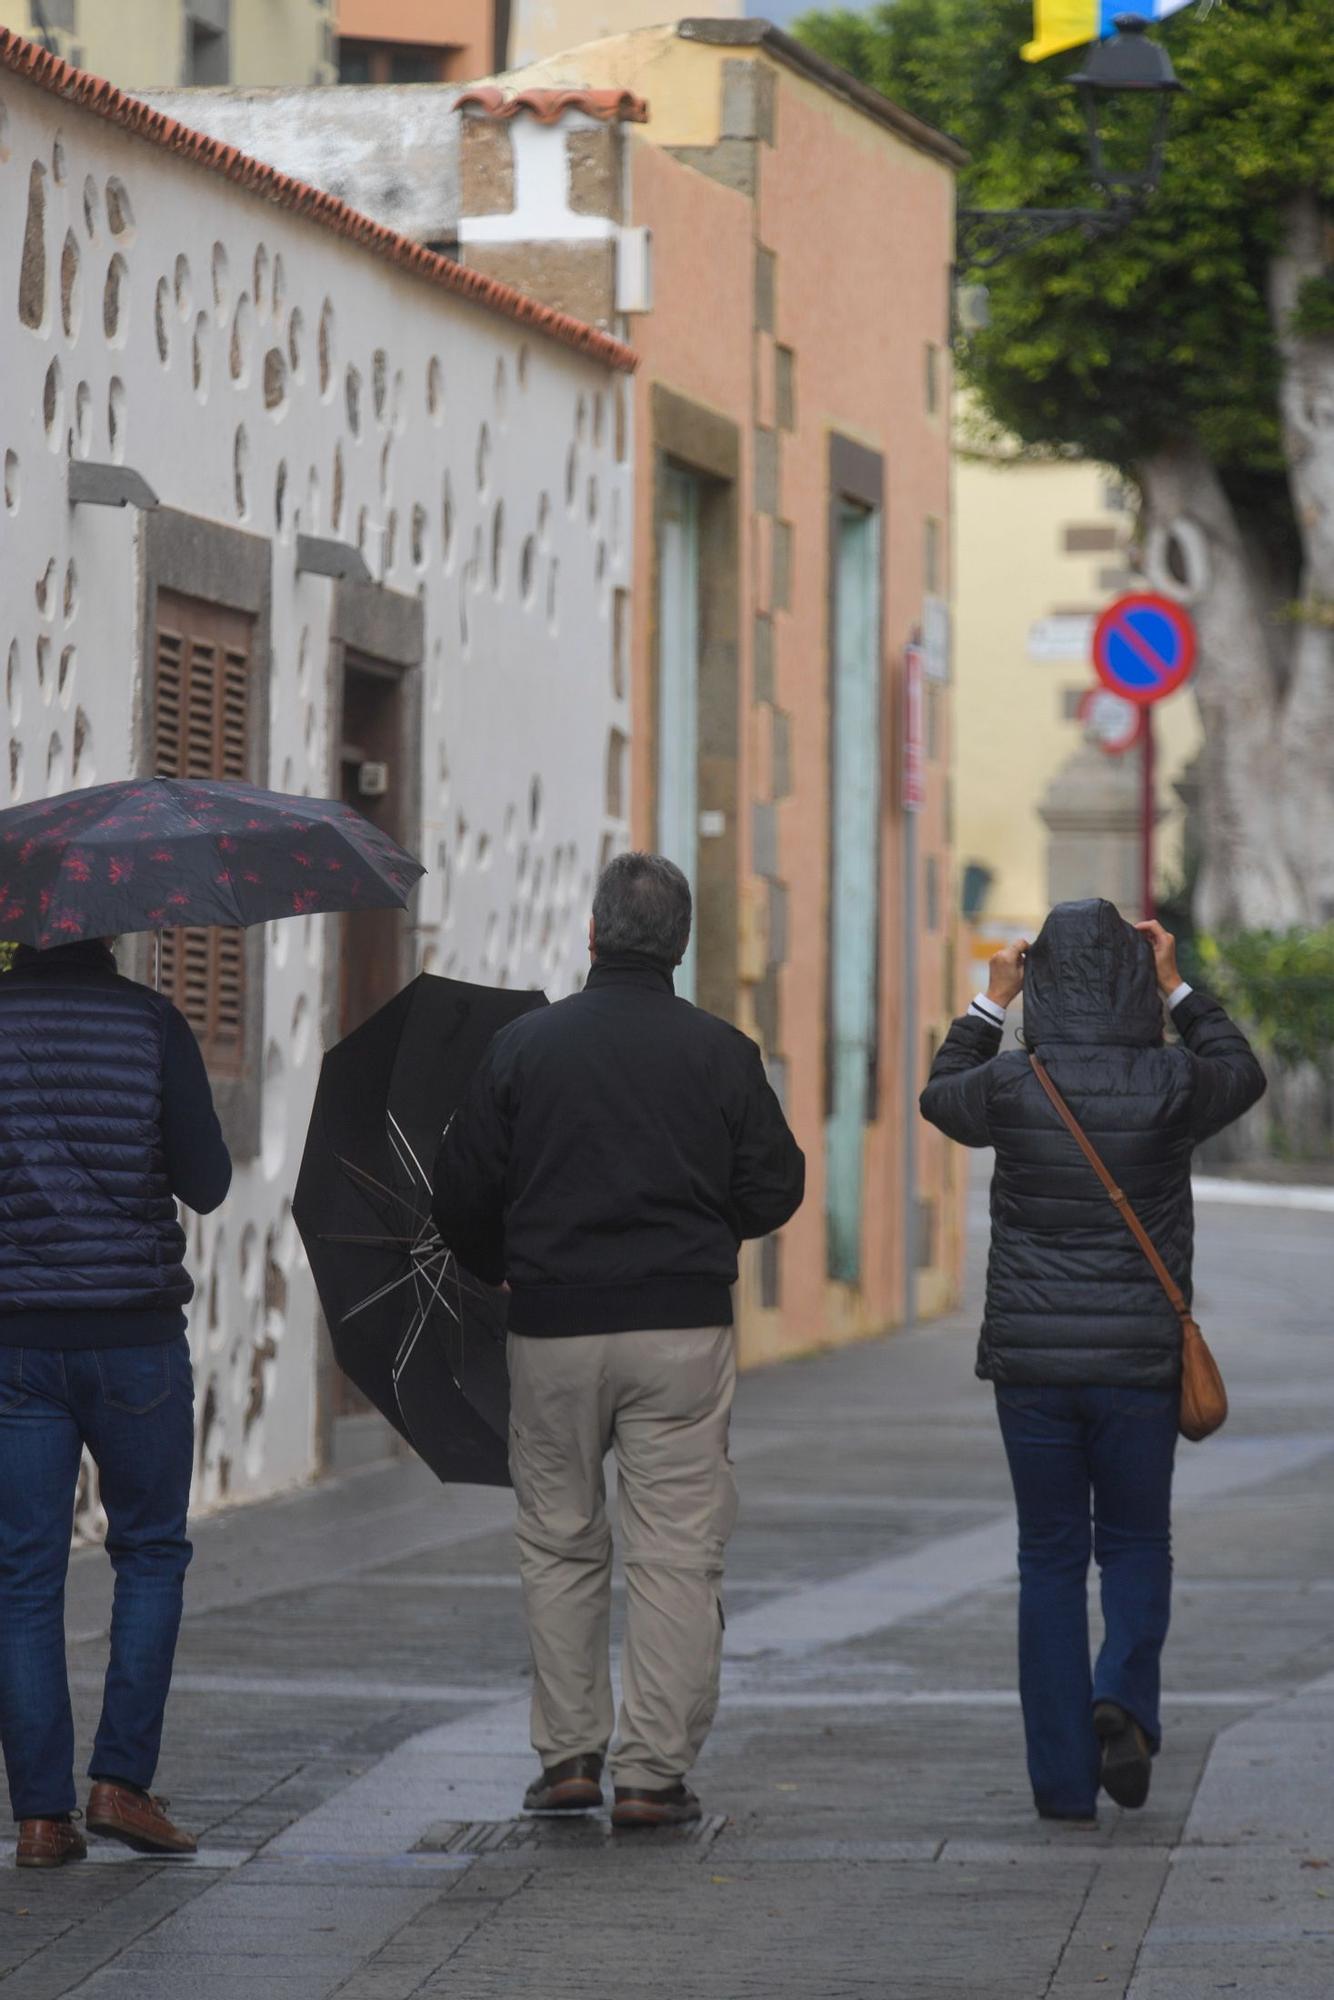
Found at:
<point>1283,982</point>
<point>1194,351</point>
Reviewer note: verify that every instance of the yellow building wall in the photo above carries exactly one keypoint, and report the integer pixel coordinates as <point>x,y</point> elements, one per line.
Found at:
<point>288,42</point>
<point>141,44</point>
<point>1015,569</point>
<point>136,43</point>
<point>541,28</point>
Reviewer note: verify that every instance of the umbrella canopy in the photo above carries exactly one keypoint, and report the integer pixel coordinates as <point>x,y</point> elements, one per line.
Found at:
<point>423,1339</point>
<point>161,853</point>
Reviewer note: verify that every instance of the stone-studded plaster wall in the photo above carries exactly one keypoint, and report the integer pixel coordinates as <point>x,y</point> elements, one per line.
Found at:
<point>264,374</point>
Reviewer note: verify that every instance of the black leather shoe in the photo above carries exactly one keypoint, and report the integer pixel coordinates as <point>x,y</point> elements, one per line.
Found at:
<point>676,1805</point>
<point>572,1786</point>
<point>1127,1762</point>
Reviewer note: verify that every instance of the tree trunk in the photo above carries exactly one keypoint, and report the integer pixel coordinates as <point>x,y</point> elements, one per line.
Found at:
<point>1248,877</point>
<point>1307,408</point>
<point>1265,678</point>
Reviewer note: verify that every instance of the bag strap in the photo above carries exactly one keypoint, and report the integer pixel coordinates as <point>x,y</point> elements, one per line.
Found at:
<point>1117,1195</point>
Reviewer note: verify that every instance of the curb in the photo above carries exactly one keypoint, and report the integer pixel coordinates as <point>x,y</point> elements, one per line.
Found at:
<point>1263,1194</point>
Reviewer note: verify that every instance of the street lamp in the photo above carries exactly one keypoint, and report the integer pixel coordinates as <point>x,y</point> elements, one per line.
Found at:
<point>1132,67</point>
<point>1125,155</point>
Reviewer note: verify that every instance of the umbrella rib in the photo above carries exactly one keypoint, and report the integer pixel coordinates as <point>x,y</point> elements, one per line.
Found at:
<point>396,1131</point>
<point>374,1298</point>
<point>409,1341</point>
<point>405,1353</point>
<point>360,1173</point>
<point>428,1247</point>
<point>437,1297</point>
<point>436,1287</point>
<point>438,1251</point>
<point>325,1236</point>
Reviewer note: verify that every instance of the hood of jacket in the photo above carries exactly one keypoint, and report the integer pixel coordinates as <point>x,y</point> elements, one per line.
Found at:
<point>1090,977</point>
<point>84,955</point>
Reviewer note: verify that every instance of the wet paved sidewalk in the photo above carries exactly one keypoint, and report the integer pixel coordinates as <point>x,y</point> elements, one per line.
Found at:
<point>348,1730</point>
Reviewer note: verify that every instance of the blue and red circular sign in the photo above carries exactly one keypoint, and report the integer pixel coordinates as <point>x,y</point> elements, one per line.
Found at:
<point>1144,647</point>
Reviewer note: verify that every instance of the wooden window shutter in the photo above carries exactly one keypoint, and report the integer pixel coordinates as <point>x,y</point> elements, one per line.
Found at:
<point>202,729</point>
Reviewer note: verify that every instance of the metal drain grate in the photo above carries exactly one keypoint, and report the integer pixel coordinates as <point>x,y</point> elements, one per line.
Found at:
<point>559,1835</point>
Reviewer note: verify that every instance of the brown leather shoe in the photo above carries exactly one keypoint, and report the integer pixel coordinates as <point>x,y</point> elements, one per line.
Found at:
<point>572,1786</point>
<point>119,1813</point>
<point>49,1843</point>
<point>674,1806</point>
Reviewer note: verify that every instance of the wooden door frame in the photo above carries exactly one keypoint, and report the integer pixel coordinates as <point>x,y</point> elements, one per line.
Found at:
<point>386,629</point>
<point>856,477</point>
<point>698,440</point>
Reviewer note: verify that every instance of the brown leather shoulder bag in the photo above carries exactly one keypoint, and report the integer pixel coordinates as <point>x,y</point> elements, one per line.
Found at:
<point>1203,1396</point>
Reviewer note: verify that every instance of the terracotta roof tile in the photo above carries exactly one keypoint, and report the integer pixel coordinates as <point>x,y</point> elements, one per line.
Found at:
<point>94,93</point>
<point>619,107</point>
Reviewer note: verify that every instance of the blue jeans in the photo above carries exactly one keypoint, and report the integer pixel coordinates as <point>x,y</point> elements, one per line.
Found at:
<point>134,1409</point>
<point>1092,1473</point>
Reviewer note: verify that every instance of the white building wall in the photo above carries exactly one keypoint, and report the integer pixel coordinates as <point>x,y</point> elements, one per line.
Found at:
<point>477,465</point>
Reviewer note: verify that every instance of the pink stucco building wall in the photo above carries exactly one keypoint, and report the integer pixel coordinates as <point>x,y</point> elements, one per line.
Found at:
<point>854,222</point>
<point>463,30</point>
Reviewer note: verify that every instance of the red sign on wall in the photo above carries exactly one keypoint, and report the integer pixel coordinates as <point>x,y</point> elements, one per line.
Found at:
<point>914,730</point>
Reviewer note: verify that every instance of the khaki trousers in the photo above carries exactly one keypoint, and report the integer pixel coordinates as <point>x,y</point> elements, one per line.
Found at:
<point>662,1401</point>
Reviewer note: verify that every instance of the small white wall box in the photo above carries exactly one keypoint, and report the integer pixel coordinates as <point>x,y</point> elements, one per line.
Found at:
<point>373,780</point>
<point>634,271</point>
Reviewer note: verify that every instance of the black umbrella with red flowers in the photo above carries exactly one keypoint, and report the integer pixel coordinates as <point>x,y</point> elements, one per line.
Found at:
<point>156,854</point>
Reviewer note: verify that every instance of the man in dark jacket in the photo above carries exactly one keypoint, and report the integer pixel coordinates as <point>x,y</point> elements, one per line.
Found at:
<point>1078,1335</point>
<point>106,1118</point>
<point>612,1153</point>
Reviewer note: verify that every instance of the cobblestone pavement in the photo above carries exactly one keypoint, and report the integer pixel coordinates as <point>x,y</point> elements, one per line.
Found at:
<point>348,1729</point>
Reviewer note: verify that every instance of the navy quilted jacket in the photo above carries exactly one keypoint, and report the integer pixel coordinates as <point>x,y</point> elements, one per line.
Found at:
<point>105,1118</point>
<point>1070,1297</point>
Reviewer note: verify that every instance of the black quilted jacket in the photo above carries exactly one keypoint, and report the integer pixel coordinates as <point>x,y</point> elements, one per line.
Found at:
<point>1070,1297</point>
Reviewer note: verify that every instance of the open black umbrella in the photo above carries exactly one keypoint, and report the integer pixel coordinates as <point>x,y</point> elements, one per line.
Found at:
<point>153,854</point>
<point>420,1337</point>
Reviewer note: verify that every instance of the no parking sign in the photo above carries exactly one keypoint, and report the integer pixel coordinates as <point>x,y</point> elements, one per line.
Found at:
<point>1144,647</point>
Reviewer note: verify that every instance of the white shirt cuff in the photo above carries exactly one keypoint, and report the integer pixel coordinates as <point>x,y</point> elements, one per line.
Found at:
<point>984,1008</point>
<point>1178,994</point>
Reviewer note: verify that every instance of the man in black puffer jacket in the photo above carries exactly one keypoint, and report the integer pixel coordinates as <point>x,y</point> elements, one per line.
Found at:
<point>106,1119</point>
<point>1078,1336</point>
<point>613,1152</point>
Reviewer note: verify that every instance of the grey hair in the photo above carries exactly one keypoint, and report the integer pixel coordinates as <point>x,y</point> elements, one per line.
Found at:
<point>642,904</point>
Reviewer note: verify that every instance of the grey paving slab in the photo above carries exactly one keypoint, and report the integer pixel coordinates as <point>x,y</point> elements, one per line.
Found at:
<point>1253,1880</point>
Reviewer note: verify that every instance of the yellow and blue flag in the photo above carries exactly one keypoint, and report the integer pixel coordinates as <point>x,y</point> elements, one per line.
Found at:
<point>1068,24</point>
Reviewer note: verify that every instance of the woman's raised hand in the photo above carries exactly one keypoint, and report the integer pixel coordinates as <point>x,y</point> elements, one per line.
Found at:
<point>1164,955</point>
<point>1007,972</point>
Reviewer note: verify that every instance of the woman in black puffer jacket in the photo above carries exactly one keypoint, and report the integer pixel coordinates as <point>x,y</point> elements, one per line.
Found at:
<point>1078,1337</point>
